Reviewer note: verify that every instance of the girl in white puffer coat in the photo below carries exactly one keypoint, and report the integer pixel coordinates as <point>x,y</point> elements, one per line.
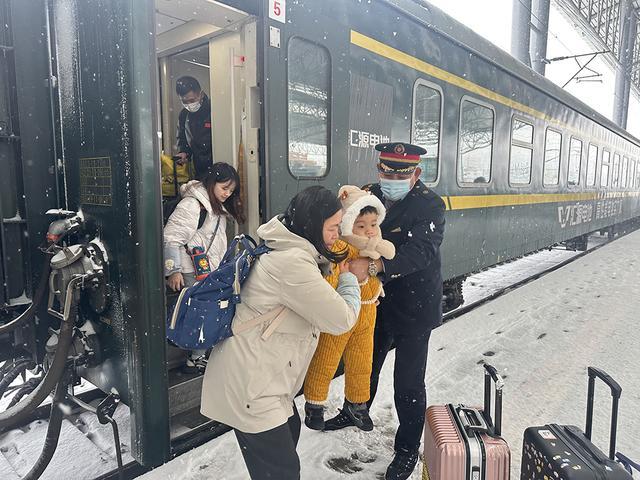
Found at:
<point>217,194</point>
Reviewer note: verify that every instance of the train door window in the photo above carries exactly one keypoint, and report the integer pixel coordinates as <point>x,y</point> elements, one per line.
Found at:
<point>521,153</point>
<point>552,150</point>
<point>475,144</point>
<point>623,172</point>
<point>604,170</point>
<point>575,159</point>
<point>616,170</point>
<point>592,165</point>
<point>425,131</point>
<point>308,100</point>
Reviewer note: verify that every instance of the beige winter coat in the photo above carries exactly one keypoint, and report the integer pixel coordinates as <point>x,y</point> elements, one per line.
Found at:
<point>250,382</point>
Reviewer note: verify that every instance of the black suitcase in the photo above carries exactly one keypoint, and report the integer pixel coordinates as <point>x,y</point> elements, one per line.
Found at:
<point>565,452</point>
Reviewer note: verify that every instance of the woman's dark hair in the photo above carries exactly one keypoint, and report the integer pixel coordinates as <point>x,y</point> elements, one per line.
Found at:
<point>222,172</point>
<point>306,214</point>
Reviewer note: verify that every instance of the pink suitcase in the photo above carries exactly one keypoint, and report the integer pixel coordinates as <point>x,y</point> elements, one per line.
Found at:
<point>462,443</point>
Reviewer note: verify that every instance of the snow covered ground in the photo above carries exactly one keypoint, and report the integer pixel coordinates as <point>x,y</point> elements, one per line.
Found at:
<point>541,337</point>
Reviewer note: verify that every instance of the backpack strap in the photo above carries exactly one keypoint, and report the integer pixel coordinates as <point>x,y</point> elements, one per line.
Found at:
<point>202,218</point>
<point>274,316</point>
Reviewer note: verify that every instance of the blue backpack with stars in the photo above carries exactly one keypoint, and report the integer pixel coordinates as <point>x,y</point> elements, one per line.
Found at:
<point>203,313</point>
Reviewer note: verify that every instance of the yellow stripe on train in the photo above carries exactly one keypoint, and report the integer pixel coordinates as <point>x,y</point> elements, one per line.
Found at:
<point>465,202</point>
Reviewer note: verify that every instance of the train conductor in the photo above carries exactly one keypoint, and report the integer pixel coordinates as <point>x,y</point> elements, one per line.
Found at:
<point>412,280</point>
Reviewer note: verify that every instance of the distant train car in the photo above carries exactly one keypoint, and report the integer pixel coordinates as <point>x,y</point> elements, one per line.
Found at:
<point>300,93</point>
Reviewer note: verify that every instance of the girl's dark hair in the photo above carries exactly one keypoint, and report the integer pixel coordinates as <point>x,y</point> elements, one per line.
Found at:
<point>222,172</point>
<point>306,214</point>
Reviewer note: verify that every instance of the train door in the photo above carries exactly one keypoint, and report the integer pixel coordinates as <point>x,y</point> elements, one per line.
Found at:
<point>306,94</point>
<point>216,45</point>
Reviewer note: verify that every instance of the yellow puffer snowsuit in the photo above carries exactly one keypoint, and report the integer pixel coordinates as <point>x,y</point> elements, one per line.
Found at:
<point>356,346</point>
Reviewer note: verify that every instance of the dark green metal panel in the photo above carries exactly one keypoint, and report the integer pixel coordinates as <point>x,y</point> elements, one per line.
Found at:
<point>310,22</point>
<point>35,161</point>
<point>107,89</point>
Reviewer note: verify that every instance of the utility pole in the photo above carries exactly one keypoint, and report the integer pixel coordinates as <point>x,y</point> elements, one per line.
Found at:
<point>521,31</point>
<point>539,34</point>
<point>629,26</point>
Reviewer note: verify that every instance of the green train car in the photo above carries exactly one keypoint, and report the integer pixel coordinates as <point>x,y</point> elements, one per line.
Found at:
<point>301,91</point>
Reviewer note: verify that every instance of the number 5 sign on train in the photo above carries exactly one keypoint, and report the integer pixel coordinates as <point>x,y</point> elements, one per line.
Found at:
<point>277,10</point>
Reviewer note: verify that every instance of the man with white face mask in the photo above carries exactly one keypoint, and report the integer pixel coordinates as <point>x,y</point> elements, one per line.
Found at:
<point>412,305</point>
<point>194,126</point>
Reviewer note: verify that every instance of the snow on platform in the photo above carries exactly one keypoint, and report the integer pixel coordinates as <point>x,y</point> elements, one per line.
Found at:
<point>85,449</point>
<point>541,337</point>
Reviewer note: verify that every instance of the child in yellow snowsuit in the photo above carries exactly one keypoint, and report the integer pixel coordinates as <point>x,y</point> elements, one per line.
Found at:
<point>361,235</point>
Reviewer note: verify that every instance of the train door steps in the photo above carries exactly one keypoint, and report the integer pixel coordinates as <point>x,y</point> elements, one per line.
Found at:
<point>85,449</point>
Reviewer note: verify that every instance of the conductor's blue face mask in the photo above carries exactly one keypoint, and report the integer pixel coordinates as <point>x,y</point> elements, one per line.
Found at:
<point>395,190</point>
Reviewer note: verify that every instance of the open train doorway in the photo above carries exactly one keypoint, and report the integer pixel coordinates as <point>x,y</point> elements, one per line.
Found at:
<point>214,44</point>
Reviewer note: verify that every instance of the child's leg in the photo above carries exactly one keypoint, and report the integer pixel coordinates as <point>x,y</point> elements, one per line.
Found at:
<point>323,366</point>
<point>358,357</point>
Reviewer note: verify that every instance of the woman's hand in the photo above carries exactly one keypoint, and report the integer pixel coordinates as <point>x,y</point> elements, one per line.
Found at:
<point>175,281</point>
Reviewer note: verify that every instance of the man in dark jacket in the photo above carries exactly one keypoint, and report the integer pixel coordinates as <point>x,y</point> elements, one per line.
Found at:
<point>412,305</point>
<point>194,126</point>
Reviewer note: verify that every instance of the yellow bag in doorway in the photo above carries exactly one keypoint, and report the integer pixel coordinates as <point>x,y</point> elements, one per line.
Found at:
<point>168,184</point>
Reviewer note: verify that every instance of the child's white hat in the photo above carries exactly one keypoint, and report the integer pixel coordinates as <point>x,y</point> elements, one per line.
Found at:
<point>353,200</point>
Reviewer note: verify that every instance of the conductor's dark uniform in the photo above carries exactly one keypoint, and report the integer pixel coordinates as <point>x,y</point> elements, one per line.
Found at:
<point>412,305</point>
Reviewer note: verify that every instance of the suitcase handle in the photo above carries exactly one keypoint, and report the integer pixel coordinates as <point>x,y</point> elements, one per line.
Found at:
<point>616,392</point>
<point>473,421</point>
<point>491,374</point>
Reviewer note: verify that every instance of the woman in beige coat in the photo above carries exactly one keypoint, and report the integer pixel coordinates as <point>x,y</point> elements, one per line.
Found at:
<point>252,378</point>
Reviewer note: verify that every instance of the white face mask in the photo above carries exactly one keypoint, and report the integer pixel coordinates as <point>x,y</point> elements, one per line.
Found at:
<point>192,107</point>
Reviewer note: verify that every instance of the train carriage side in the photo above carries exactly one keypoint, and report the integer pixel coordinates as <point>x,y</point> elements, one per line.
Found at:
<point>492,132</point>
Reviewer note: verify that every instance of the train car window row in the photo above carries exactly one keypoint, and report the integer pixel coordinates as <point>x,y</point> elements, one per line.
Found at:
<point>475,143</point>
<point>575,160</point>
<point>425,131</point>
<point>308,108</point>
<point>592,165</point>
<point>521,153</point>
<point>552,152</point>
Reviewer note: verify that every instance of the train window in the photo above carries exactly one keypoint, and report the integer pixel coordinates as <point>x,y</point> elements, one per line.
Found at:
<point>426,128</point>
<point>623,172</point>
<point>521,153</point>
<point>592,165</point>
<point>616,170</point>
<point>604,171</point>
<point>552,149</point>
<point>632,173</point>
<point>475,143</point>
<point>575,158</point>
<point>308,100</point>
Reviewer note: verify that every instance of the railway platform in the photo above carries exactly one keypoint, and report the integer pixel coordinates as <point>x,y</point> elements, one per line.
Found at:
<point>541,337</point>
